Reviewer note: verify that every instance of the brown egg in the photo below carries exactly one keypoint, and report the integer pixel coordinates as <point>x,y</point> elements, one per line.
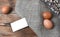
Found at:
<point>48,24</point>
<point>6,9</point>
<point>47,15</point>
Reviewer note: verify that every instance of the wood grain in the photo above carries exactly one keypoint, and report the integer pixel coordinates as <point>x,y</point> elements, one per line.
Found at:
<point>5,30</point>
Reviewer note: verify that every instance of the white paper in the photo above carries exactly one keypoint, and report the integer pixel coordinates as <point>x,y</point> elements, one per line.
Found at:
<point>19,24</point>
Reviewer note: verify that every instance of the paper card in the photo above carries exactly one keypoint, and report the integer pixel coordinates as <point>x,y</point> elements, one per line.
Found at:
<point>19,24</point>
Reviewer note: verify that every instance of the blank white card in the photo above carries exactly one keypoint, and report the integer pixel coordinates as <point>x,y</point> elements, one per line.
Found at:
<point>19,24</point>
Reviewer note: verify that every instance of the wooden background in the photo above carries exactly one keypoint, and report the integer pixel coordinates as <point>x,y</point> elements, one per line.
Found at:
<point>6,19</point>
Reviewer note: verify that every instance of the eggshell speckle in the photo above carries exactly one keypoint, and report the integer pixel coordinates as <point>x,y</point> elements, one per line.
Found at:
<point>48,24</point>
<point>47,15</point>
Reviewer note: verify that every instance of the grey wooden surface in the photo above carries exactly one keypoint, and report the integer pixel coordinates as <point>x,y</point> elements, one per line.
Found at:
<point>31,10</point>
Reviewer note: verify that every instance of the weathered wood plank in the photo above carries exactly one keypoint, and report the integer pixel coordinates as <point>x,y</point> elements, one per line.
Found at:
<point>5,30</point>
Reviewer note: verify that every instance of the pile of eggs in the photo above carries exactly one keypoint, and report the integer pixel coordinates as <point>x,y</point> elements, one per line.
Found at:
<point>47,22</point>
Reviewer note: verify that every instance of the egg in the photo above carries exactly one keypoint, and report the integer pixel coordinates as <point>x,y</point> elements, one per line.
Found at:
<point>6,9</point>
<point>47,15</point>
<point>48,24</point>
